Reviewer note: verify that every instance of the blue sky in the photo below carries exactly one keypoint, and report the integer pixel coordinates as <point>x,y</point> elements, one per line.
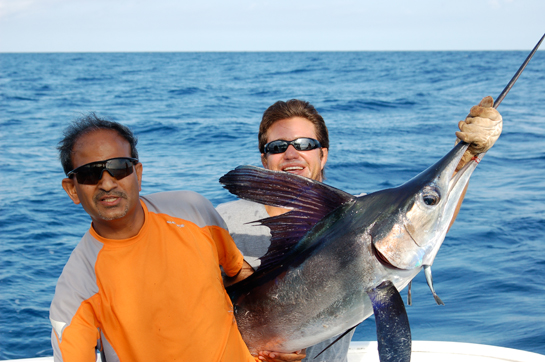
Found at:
<point>268,25</point>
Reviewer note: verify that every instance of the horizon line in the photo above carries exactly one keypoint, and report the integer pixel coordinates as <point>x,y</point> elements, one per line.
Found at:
<point>253,51</point>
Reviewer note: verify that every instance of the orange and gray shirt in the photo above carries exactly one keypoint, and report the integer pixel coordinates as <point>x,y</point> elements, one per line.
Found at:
<point>157,296</point>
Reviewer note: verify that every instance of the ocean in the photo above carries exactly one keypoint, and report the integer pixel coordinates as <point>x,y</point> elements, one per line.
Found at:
<point>390,116</point>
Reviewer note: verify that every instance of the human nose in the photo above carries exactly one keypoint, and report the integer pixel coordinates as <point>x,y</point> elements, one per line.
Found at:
<point>107,182</point>
<point>291,152</point>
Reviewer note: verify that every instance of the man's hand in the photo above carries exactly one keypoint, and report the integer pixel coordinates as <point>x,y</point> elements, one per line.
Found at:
<point>282,357</point>
<point>480,129</point>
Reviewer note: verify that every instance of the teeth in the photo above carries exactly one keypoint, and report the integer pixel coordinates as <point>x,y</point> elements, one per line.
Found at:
<point>109,199</point>
<point>293,168</point>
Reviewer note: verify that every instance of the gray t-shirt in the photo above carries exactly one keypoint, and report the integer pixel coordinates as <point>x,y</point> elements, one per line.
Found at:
<point>253,240</point>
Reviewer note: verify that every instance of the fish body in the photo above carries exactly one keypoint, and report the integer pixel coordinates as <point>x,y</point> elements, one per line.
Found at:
<point>322,289</point>
<point>335,259</point>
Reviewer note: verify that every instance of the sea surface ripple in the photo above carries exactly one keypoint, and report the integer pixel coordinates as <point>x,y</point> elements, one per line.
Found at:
<point>390,115</point>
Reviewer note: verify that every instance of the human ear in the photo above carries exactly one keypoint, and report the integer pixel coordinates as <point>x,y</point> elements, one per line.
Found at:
<point>264,160</point>
<point>324,157</point>
<point>139,168</point>
<point>70,188</point>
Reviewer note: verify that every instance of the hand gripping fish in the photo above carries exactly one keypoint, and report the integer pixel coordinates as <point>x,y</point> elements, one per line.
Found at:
<point>335,259</point>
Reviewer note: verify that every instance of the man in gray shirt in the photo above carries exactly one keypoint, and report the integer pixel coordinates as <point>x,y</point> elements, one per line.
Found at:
<point>296,121</point>
<point>293,138</point>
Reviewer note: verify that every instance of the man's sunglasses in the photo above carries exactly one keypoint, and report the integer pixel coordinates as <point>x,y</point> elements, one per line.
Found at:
<point>91,173</point>
<point>300,144</point>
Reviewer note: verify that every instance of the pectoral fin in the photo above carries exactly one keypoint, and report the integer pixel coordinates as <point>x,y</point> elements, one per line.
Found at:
<point>393,330</point>
<point>410,293</point>
<point>309,200</point>
<point>429,280</point>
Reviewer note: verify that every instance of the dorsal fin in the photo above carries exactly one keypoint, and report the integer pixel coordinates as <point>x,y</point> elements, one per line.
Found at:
<point>309,200</point>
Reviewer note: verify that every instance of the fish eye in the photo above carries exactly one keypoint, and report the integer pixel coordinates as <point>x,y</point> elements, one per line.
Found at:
<point>430,197</point>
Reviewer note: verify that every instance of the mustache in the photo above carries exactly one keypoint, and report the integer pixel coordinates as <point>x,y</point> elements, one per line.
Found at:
<point>102,194</point>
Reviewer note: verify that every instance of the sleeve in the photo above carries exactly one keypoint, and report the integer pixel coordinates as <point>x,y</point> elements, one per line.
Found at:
<point>75,326</point>
<point>252,238</point>
<point>78,340</point>
<point>229,256</point>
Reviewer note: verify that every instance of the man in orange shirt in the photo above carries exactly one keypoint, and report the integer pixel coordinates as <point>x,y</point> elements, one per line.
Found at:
<point>144,282</point>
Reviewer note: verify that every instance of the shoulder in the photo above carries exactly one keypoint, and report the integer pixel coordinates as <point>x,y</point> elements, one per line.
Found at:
<point>238,214</point>
<point>85,254</point>
<point>187,205</point>
<point>175,197</point>
<point>241,211</point>
<point>238,206</point>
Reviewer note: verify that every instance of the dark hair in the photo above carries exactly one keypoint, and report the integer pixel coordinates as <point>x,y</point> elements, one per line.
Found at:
<point>292,108</point>
<point>85,125</point>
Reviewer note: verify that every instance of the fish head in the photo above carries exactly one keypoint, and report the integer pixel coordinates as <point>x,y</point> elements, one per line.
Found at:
<point>411,230</point>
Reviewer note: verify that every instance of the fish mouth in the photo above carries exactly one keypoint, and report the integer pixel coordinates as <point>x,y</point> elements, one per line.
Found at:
<point>444,171</point>
<point>381,258</point>
<point>457,182</point>
<point>467,168</point>
<point>447,165</point>
<point>413,237</point>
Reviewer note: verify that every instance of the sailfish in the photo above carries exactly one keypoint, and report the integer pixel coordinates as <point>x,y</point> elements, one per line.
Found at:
<point>335,258</point>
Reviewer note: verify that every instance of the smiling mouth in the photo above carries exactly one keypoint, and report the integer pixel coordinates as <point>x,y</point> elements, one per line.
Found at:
<point>293,168</point>
<point>110,198</point>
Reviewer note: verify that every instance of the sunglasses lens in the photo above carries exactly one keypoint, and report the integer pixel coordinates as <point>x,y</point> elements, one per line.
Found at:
<point>119,168</point>
<point>304,144</point>
<point>277,147</point>
<point>92,173</point>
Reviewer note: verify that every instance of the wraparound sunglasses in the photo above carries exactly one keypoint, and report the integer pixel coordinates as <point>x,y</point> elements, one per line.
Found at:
<point>91,173</point>
<point>300,144</point>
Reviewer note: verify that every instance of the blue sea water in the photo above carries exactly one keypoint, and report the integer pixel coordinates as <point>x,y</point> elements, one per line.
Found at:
<point>390,115</point>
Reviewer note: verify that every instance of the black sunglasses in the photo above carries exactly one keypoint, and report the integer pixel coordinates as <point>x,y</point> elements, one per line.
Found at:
<point>300,144</point>
<point>91,173</point>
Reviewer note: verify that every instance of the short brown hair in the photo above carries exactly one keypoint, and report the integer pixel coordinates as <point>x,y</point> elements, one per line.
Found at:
<point>292,108</point>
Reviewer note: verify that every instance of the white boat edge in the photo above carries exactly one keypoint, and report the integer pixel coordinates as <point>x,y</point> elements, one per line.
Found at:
<point>433,351</point>
<point>422,351</point>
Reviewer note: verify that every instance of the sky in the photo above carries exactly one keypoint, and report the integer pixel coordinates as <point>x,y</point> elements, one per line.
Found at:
<point>268,25</point>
